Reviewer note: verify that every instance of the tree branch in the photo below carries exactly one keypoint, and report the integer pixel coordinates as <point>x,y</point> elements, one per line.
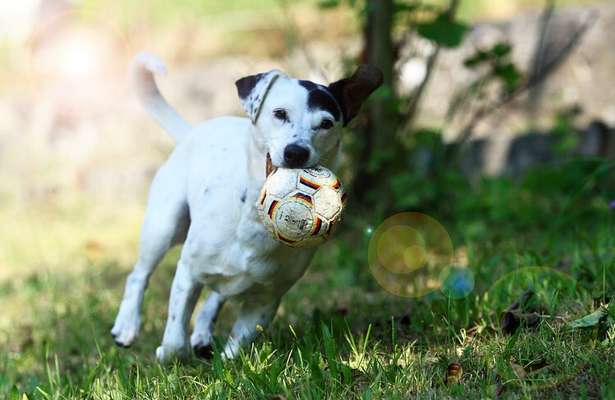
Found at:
<point>531,81</point>
<point>409,117</point>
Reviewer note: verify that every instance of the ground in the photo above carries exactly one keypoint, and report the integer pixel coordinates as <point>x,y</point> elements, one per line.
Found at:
<point>340,335</point>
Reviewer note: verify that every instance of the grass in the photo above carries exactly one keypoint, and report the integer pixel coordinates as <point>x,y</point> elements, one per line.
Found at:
<point>337,333</point>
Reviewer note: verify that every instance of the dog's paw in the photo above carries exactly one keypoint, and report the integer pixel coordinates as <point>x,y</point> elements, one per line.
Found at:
<point>201,345</point>
<point>203,351</point>
<point>231,350</point>
<point>200,337</point>
<point>168,353</point>
<point>125,330</point>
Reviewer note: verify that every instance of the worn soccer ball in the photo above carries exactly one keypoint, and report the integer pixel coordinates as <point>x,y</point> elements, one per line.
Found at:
<point>300,207</point>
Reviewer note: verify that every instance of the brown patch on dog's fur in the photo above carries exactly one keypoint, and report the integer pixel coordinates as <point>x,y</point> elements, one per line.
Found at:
<point>269,168</point>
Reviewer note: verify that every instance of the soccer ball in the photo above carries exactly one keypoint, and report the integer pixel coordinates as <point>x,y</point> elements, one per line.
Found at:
<point>300,207</point>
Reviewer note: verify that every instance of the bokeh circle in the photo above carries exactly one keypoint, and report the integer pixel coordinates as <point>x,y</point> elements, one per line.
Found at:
<point>457,281</point>
<point>410,253</point>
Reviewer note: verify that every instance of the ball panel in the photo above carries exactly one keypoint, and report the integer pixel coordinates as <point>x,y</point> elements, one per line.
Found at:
<point>307,184</point>
<point>303,198</point>
<point>272,208</point>
<point>318,172</point>
<point>293,219</point>
<point>293,243</point>
<point>317,177</point>
<point>317,226</point>
<point>327,202</point>
<point>281,182</point>
<point>266,209</point>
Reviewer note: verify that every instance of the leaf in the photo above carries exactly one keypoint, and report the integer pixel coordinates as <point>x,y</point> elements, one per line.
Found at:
<point>510,321</point>
<point>405,7</point>
<point>476,59</point>
<point>501,49</point>
<point>443,31</point>
<point>509,74</point>
<point>496,54</point>
<point>325,4</point>
<point>518,370</point>
<point>590,320</point>
<point>453,374</point>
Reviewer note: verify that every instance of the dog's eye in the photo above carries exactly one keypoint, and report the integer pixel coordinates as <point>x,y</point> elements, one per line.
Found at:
<point>280,114</point>
<point>326,124</point>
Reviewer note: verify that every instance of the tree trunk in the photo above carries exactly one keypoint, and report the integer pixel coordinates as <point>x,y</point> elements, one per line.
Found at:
<point>379,134</point>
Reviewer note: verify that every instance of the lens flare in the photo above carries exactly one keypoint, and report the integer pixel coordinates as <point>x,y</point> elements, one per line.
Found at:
<point>408,253</point>
<point>457,282</point>
<point>401,249</point>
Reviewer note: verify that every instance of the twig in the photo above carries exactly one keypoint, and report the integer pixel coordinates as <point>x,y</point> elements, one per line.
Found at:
<point>539,51</point>
<point>531,82</point>
<point>410,115</point>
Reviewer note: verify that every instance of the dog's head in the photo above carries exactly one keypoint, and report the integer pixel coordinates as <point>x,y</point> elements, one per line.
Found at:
<point>298,121</point>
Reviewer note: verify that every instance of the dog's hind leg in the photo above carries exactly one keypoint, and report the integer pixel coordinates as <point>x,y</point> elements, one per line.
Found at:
<point>164,225</point>
<point>203,328</point>
<point>253,317</point>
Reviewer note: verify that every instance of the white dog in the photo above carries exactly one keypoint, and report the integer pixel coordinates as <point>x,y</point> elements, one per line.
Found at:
<point>205,194</point>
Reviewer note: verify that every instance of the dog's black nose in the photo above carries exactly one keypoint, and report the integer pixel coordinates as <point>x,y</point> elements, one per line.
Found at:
<point>296,156</point>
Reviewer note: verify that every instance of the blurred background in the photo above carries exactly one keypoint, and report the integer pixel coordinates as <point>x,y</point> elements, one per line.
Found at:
<point>493,113</point>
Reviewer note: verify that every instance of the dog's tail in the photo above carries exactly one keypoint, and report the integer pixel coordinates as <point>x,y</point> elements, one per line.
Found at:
<point>143,68</point>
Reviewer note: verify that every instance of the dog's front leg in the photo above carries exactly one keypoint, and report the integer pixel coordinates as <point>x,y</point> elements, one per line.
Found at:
<point>184,294</point>
<point>166,216</point>
<point>253,317</point>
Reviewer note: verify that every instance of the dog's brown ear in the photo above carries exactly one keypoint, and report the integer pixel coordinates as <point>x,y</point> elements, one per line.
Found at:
<point>351,92</point>
<point>253,89</point>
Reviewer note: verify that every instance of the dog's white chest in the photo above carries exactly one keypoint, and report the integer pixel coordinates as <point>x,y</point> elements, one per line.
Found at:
<point>247,259</point>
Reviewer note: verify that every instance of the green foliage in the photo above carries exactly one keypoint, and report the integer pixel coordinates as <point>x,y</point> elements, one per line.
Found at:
<point>565,129</point>
<point>325,4</point>
<point>496,68</point>
<point>443,31</point>
<point>382,147</point>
